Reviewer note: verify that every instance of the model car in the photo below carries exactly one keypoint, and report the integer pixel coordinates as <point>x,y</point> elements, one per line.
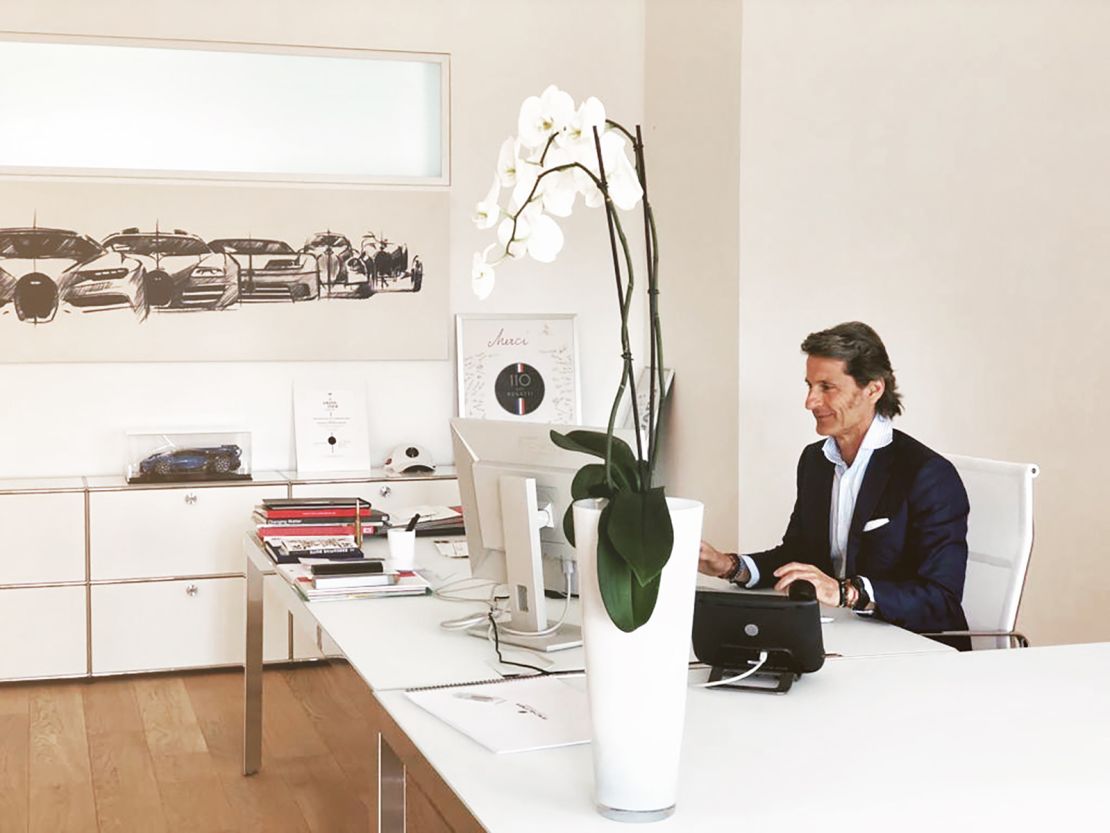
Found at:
<point>332,252</point>
<point>32,264</point>
<point>218,459</point>
<point>182,272</point>
<point>269,270</point>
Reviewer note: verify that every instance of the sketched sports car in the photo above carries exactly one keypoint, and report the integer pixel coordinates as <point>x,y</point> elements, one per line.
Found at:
<point>269,270</point>
<point>33,262</point>
<point>218,459</point>
<point>182,272</point>
<point>113,279</point>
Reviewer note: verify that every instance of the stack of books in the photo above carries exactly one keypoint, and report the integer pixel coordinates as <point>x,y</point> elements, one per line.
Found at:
<point>316,527</point>
<point>318,581</point>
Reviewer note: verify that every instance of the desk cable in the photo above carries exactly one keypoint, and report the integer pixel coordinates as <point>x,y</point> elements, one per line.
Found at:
<point>757,663</point>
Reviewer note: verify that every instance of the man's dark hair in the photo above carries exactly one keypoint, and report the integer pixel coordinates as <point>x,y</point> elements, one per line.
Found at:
<point>864,357</point>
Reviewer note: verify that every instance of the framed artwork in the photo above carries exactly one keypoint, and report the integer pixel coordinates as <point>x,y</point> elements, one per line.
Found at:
<point>520,367</point>
<point>644,384</point>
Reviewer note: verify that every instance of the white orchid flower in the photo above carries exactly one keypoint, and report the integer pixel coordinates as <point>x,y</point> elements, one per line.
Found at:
<point>541,116</point>
<point>546,239</point>
<point>624,183</point>
<point>514,242</point>
<point>527,172</point>
<point>481,277</point>
<point>580,129</point>
<point>488,211</point>
<point>560,188</point>
<point>507,159</point>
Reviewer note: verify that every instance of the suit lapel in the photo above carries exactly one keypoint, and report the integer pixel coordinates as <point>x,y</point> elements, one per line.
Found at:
<point>874,484</point>
<point>821,495</point>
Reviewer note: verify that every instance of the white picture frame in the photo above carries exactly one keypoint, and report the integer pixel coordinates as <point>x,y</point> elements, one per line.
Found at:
<point>518,367</point>
<point>643,392</point>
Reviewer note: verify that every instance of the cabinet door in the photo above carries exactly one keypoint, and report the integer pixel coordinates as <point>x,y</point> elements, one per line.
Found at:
<point>388,495</point>
<point>44,537</point>
<point>44,632</point>
<point>282,610</point>
<point>151,533</point>
<point>163,625</point>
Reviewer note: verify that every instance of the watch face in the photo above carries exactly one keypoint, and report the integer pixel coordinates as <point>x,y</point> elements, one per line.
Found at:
<point>519,389</point>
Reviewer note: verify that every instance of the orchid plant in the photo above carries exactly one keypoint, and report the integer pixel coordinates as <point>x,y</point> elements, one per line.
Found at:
<point>562,152</point>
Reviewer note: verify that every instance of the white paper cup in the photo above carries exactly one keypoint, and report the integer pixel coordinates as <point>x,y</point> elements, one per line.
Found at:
<point>402,548</point>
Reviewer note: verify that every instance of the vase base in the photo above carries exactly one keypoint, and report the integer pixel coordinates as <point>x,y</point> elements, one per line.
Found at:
<point>635,816</point>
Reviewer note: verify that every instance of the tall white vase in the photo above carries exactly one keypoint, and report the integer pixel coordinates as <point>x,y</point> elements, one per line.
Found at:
<point>637,681</point>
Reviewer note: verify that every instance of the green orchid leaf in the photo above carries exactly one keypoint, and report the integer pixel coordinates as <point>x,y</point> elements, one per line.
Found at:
<point>626,468</point>
<point>615,580</point>
<point>639,528</point>
<point>588,482</point>
<point>643,599</point>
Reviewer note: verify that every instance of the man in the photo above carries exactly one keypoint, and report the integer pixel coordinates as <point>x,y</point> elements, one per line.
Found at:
<point>880,521</point>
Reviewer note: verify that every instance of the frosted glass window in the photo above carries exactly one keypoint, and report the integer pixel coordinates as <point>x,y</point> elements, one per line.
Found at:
<point>338,115</point>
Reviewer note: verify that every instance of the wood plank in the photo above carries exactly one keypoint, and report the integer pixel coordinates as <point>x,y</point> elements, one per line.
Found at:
<point>60,790</point>
<point>420,813</point>
<point>338,713</point>
<point>110,706</point>
<point>14,759</point>
<point>324,795</point>
<point>192,795</point>
<point>287,730</point>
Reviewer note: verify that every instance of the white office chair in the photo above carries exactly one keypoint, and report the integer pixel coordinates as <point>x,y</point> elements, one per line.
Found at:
<point>999,541</point>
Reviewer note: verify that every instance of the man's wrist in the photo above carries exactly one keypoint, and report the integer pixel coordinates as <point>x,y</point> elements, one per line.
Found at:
<point>737,571</point>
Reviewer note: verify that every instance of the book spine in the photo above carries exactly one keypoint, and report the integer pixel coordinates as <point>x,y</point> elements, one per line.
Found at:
<point>347,513</point>
<point>349,521</point>
<point>279,531</point>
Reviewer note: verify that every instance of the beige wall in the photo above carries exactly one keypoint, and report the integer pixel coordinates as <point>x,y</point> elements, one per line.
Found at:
<point>940,170</point>
<point>692,104</point>
<point>58,419</point>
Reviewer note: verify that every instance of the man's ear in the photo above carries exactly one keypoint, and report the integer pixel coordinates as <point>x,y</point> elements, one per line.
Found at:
<point>875,389</point>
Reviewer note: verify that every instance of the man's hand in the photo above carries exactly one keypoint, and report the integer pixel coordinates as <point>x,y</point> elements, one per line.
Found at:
<point>712,561</point>
<point>828,589</point>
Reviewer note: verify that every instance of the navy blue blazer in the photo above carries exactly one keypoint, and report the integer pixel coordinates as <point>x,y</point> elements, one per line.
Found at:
<point>916,563</point>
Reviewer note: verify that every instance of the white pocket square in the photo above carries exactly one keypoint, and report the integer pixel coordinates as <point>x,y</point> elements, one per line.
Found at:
<point>875,524</point>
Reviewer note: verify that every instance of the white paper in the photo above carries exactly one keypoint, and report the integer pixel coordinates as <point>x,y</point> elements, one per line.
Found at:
<point>331,429</point>
<point>518,715</point>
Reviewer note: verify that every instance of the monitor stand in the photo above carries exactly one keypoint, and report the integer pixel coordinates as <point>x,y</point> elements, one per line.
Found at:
<point>521,521</point>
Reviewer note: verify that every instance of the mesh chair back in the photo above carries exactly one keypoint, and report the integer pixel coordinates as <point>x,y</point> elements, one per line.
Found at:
<point>999,539</point>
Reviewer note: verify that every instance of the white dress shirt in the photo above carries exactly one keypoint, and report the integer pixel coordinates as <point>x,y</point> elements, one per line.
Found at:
<point>847,481</point>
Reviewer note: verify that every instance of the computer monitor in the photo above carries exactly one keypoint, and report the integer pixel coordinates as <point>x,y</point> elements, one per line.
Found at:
<point>515,485</point>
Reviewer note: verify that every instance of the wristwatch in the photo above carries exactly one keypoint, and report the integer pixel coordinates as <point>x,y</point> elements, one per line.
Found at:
<point>862,599</point>
<point>730,575</point>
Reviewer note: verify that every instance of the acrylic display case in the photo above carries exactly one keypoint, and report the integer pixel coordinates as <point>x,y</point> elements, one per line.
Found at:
<point>187,456</point>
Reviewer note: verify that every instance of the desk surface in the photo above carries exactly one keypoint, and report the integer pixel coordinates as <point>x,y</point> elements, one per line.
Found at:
<point>398,642</point>
<point>985,741</point>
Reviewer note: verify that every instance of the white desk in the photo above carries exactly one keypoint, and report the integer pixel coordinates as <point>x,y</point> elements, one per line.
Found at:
<point>997,740</point>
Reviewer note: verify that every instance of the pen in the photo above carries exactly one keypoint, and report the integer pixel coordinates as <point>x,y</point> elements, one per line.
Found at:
<point>412,523</point>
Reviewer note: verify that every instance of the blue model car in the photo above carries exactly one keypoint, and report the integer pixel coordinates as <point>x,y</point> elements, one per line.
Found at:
<point>219,459</point>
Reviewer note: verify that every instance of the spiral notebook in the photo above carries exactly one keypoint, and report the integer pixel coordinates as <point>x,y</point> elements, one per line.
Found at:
<point>514,714</point>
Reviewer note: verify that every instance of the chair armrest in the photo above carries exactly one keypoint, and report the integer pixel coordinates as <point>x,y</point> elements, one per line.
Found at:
<point>1016,639</point>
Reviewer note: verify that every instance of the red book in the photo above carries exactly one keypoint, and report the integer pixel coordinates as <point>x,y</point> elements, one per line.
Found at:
<point>329,512</point>
<point>277,531</point>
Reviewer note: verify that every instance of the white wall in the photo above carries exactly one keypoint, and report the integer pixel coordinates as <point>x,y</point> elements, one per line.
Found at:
<point>59,419</point>
<point>939,170</point>
<point>692,101</point>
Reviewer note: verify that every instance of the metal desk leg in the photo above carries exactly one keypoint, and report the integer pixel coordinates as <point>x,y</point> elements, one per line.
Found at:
<point>391,789</point>
<point>252,673</point>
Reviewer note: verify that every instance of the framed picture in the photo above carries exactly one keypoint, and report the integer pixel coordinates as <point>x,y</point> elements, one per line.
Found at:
<point>521,367</point>
<point>644,384</point>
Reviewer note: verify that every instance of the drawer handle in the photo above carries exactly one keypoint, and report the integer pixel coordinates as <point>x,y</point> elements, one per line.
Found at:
<point>191,590</point>
<point>191,498</point>
<point>385,491</point>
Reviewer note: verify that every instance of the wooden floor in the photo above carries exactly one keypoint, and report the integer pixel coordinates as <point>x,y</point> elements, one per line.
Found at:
<point>160,753</point>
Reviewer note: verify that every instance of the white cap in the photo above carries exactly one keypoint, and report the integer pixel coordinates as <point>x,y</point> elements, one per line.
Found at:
<point>405,459</point>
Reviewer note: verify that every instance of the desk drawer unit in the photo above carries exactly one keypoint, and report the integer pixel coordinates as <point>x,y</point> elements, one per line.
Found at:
<point>388,495</point>
<point>173,532</point>
<point>44,630</point>
<point>44,538</point>
<point>163,625</point>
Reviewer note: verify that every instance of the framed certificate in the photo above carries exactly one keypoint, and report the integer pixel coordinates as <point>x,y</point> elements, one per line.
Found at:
<point>518,367</point>
<point>331,429</point>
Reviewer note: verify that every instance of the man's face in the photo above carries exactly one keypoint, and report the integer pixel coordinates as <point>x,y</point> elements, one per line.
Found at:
<point>839,406</point>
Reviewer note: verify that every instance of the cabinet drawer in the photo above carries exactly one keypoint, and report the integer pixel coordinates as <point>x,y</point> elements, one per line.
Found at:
<point>44,537</point>
<point>388,495</point>
<point>162,625</point>
<point>151,533</point>
<point>45,632</point>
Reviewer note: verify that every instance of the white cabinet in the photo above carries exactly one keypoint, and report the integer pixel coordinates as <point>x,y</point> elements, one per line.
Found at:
<point>388,495</point>
<point>171,532</point>
<point>44,632</point>
<point>161,625</point>
<point>43,537</point>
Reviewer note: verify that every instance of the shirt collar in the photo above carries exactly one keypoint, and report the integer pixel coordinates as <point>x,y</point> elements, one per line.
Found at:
<point>879,435</point>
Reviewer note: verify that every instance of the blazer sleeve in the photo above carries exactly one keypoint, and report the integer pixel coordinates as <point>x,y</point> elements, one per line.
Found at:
<point>929,600</point>
<point>792,547</point>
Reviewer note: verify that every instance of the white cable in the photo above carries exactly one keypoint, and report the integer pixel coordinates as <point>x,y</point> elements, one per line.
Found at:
<point>568,571</point>
<point>450,592</point>
<point>727,680</point>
